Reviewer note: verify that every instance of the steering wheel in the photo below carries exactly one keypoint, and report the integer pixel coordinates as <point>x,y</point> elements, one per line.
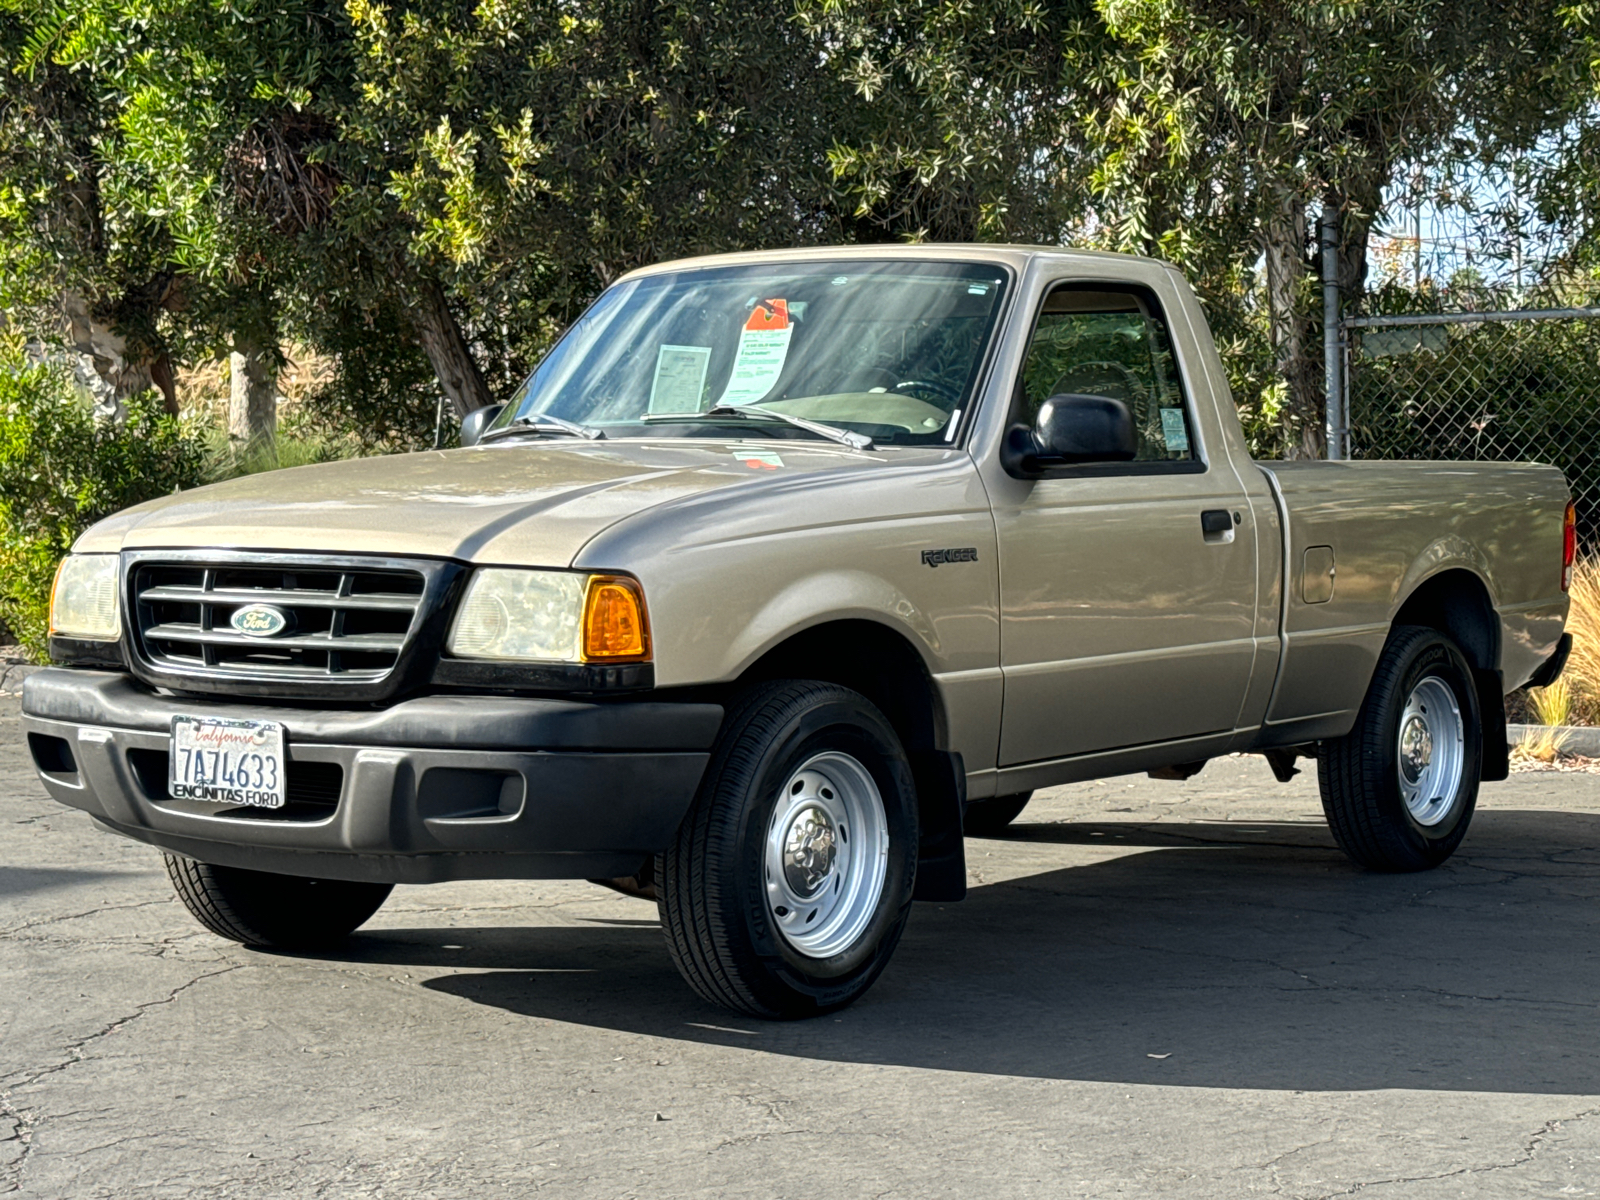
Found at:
<point>1135,394</point>
<point>948,393</point>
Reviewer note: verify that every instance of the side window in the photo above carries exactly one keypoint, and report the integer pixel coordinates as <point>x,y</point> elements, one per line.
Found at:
<point>1096,341</point>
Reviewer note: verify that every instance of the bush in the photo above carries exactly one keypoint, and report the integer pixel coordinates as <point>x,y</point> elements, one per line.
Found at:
<point>61,470</point>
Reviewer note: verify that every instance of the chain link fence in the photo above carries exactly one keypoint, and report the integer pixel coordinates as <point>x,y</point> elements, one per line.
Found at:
<point>1507,384</point>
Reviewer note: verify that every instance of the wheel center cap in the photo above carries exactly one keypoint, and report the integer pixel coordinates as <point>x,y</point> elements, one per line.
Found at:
<point>809,849</point>
<point>1416,749</point>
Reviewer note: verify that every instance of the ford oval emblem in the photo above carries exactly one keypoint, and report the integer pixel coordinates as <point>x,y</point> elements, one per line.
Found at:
<point>259,620</point>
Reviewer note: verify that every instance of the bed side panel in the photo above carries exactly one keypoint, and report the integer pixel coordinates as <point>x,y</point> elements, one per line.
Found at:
<point>1391,526</point>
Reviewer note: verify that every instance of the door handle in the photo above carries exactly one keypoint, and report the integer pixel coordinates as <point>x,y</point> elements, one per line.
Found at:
<point>1215,520</point>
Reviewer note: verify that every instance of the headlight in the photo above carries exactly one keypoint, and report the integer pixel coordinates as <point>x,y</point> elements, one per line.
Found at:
<point>551,616</point>
<point>83,603</point>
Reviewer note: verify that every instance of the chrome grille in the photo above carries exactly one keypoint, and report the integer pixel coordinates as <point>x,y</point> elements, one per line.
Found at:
<point>347,621</point>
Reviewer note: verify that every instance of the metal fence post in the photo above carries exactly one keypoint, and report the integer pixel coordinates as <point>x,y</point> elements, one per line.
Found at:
<point>1336,420</point>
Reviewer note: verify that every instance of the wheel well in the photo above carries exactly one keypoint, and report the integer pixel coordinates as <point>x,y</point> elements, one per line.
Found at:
<point>885,668</point>
<point>868,658</point>
<point>1456,603</point>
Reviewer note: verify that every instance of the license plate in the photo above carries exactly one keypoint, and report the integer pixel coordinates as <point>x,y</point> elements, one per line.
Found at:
<point>227,761</point>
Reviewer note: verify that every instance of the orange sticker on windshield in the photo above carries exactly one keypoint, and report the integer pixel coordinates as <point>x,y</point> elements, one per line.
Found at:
<point>763,348</point>
<point>774,314</point>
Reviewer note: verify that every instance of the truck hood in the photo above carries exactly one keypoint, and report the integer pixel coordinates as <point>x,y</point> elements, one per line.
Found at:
<point>532,503</point>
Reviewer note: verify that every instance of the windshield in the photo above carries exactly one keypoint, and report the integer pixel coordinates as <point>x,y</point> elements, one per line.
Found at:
<point>889,350</point>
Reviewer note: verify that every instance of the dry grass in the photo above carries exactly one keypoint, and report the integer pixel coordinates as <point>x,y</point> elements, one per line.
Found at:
<point>203,389</point>
<point>1541,745</point>
<point>203,396</point>
<point>1583,668</point>
<point>1574,699</point>
<point>1552,705</point>
<point>1565,764</point>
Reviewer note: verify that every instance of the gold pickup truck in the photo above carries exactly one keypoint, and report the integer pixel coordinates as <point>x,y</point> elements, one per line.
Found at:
<point>779,573</point>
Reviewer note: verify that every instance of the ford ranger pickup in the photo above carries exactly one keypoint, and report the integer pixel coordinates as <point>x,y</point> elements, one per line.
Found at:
<point>780,573</point>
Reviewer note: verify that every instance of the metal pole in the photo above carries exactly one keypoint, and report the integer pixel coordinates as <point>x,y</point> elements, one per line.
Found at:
<point>1333,363</point>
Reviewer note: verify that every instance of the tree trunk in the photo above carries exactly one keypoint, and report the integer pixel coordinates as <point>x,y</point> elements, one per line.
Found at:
<point>253,396</point>
<point>447,349</point>
<point>124,370</point>
<point>122,373</point>
<point>1290,326</point>
<point>1358,208</point>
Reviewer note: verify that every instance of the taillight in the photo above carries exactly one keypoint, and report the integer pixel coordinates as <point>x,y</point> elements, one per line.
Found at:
<point>1569,546</point>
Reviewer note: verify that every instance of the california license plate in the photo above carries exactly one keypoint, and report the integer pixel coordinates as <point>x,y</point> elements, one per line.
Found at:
<point>227,761</point>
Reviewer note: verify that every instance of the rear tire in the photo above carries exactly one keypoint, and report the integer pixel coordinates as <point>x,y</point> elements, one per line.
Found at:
<point>281,912</point>
<point>987,818</point>
<point>786,888</point>
<point>1400,788</point>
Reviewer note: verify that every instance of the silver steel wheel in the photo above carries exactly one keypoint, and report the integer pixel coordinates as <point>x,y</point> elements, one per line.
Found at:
<point>827,855</point>
<point>1433,750</point>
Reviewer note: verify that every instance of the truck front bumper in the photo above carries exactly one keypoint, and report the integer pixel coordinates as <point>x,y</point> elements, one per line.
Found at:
<point>426,790</point>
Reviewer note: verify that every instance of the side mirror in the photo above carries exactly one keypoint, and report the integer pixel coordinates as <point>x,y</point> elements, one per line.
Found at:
<point>476,421</point>
<point>1071,429</point>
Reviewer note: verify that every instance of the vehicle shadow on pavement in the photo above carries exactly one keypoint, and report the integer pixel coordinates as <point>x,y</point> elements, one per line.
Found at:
<point>1221,955</point>
<point>22,881</point>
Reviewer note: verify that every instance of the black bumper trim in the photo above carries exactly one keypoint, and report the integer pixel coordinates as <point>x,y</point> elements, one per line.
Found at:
<point>543,677</point>
<point>453,722</point>
<point>80,653</point>
<point>434,789</point>
<point>1550,670</point>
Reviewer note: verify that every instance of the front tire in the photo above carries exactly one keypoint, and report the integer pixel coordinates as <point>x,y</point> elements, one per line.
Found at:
<point>789,882</point>
<point>280,912</point>
<point>1400,788</point>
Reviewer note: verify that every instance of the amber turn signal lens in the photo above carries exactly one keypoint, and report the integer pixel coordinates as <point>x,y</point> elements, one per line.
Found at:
<point>614,625</point>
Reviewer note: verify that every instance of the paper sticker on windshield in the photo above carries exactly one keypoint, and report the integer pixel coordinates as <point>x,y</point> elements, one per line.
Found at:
<point>680,379</point>
<point>1173,431</point>
<point>763,347</point>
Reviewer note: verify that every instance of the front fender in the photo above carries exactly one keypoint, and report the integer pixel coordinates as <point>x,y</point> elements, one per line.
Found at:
<point>824,596</point>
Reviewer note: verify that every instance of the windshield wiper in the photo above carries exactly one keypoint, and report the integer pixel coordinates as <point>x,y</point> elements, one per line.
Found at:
<point>545,423</point>
<point>845,437</point>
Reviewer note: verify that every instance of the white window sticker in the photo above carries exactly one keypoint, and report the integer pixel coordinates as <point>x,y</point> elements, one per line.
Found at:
<point>1173,431</point>
<point>763,347</point>
<point>680,379</point>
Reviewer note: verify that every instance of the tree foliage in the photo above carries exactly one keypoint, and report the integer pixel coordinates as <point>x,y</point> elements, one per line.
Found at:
<point>311,169</point>
<point>432,189</point>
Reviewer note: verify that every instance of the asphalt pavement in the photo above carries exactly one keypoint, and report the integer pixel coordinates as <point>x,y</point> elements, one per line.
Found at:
<point>1154,989</point>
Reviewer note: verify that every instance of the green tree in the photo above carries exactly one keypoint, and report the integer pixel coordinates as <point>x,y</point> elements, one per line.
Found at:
<point>317,170</point>
<point>69,245</point>
<point>968,126</point>
<point>1282,110</point>
<point>1208,132</point>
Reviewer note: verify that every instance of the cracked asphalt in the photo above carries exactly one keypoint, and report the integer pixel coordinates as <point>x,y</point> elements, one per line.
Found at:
<point>1153,989</point>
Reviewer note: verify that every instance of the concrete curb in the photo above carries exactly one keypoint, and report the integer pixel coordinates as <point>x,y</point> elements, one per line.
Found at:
<point>11,677</point>
<point>1580,739</point>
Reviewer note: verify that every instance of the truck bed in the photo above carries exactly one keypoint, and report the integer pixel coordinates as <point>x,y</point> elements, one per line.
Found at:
<point>1390,526</point>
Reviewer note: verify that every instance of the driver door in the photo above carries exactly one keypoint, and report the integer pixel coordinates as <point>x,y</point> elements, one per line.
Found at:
<point>1124,619</point>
